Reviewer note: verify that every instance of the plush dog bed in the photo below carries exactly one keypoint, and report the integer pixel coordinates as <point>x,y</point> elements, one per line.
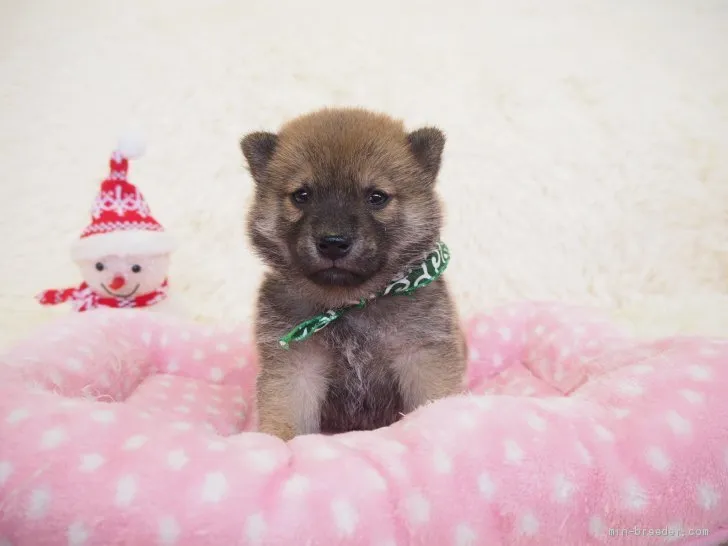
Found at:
<point>126,427</point>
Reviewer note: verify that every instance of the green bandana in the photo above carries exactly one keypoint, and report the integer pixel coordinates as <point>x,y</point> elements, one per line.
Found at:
<point>416,277</point>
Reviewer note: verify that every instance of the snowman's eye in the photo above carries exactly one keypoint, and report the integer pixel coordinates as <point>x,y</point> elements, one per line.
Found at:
<point>136,268</point>
<point>99,266</point>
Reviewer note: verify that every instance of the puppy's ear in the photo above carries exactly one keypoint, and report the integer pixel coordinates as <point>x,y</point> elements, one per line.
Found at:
<point>427,145</point>
<point>258,149</point>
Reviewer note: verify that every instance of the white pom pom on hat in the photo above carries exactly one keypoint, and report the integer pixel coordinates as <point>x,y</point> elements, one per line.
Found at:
<point>131,144</point>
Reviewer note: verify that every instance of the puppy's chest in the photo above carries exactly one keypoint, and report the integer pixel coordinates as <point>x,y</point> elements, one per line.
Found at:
<point>363,392</point>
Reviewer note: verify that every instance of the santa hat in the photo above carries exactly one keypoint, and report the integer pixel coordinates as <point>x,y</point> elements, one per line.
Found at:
<point>121,222</point>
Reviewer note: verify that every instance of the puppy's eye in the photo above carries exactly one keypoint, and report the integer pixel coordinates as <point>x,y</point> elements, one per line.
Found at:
<point>99,266</point>
<point>301,196</point>
<point>136,268</point>
<point>377,198</point>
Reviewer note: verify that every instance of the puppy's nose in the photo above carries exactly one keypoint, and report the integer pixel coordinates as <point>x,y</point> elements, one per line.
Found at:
<point>334,246</point>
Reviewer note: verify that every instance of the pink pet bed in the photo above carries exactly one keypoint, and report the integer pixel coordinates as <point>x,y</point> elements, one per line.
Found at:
<point>124,427</point>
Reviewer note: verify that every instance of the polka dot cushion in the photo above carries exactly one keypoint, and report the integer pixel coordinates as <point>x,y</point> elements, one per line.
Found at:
<point>125,427</point>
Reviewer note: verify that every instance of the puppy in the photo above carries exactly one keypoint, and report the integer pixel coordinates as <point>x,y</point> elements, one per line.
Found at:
<point>344,203</point>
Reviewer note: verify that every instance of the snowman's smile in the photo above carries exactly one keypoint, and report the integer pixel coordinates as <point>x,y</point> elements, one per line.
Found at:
<point>118,295</point>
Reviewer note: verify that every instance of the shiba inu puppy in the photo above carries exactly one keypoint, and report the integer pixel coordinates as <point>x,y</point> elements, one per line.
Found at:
<point>354,323</point>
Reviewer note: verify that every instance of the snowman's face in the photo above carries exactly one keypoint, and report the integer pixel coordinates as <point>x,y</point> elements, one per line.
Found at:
<point>125,276</point>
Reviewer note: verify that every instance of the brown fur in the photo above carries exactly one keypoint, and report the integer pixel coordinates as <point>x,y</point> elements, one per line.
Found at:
<point>374,364</point>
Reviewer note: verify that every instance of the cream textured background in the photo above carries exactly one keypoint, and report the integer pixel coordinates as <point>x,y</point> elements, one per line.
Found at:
<point>587,158</point>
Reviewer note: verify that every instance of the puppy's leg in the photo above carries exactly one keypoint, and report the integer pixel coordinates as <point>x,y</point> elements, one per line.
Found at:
<point>429,374</point>
<point>291,387</point>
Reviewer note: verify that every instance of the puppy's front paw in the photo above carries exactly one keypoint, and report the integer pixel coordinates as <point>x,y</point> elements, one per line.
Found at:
<point>283,431</point>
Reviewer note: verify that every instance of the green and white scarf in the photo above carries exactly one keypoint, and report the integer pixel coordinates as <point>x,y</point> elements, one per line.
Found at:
<point>405,284</point>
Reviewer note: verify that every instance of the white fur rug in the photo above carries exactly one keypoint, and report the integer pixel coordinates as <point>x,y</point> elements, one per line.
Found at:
<point>587,159</point>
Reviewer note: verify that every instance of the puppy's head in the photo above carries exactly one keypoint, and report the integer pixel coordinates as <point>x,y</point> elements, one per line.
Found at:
<point>344,200</point>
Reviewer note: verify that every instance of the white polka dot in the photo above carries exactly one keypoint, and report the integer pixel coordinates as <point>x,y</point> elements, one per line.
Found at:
<point>486,486</point>
<point>5,470</point>
<point>216,445</point>
<point>169,531</point>
<point>563,488</point>
<point>161,396</point>
<point>216,374</point>
<point>596,527</point>
<point>77,534</point>
<point>536,422</point>
<point>514,453</point>
<point>52,438</point>
<point>216,398</point>
<point>678,423</point>
<point>674,531</point>
<point>38,503</point>
<point>17,415</point>
<point>642,369</point>
<point>146,338</point>
<point>345,516</point>
<point>497,360</point>
<point>483,402</point>
<point>657,459</point>
<point>198,354</point>
<point>212,410</point>
<point>185,335</point>
<point>603,433</point>
<point>418,509</point>
<point>630,388</point>
<point>634,495</point>
<point>176,459</point>
<point>539,330</point>
<point>505,333</point>
<point>126,489</point>
<point>241,362</point>
<point>181,425</point>
<point>708,496</point>
<point>172,365</point>
<point>528,525</point>
<point>564,353</point>
<point>222,347</point>
<point>215,487</point>
<point>189,397</point>
<point>264,461</point>
<point>255,528</point>
<point>164,383</point>
<point>74,364</point>
<point>620,413</point>
<point>182,409</point>
<point>441,462</point>
<point>467,420</point>
<point>482,328</point>
<point>375,480</point>
<point>85,350</point>
<point>700,373</point>
<point>473,354</point>
<point>528,391</point>
<point>90,462</point>
<point>325,452</point>
<point>295,486</point>
<point>692,396</point>
<point>465,536</point>
<point>163,340</point>
<point>135,442</point>
<point>103,416</point>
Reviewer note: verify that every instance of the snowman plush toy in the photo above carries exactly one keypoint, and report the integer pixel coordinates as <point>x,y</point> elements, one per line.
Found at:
<point>124,253</point>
